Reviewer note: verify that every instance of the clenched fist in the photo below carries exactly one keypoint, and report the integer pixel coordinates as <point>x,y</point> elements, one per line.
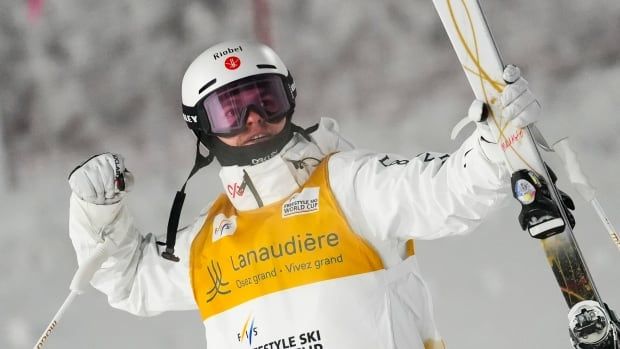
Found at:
<point>101,180</point>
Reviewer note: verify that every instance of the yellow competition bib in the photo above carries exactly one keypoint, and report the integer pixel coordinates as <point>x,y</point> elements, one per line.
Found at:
<point>305,239</point>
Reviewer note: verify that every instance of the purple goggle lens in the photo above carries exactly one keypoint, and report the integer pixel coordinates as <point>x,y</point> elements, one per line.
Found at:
<point>227,108</point>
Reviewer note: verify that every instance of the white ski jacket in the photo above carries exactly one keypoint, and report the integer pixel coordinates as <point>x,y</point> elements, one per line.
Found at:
<point>386,200</point>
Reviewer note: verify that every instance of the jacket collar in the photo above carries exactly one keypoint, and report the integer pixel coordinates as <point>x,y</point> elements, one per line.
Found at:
<point>251,187</point>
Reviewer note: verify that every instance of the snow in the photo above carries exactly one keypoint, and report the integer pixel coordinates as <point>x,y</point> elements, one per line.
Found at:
<point>93,76</point>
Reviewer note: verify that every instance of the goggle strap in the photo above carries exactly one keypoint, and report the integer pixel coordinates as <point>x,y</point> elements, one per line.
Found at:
<point>190,115</point>
<point>177,205</point>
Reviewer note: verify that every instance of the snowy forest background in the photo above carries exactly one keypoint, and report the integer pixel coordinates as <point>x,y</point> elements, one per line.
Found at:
<point>80,77</point>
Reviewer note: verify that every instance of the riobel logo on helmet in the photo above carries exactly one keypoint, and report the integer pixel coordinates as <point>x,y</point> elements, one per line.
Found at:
<point>232,62</point>
<point>227,51</point>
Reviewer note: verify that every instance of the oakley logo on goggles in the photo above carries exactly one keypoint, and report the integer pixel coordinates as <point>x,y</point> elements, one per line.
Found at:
<point>227,108</point>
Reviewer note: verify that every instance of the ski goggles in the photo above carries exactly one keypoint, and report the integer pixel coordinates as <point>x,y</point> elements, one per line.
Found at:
<point>228,107</point>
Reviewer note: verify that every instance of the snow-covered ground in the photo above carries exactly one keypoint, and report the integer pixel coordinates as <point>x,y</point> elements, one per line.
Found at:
<point>92,76</point>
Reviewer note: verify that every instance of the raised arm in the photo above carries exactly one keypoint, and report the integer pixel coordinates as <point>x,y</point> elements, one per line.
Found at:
<point>429,196</point>
<point>135,278</point>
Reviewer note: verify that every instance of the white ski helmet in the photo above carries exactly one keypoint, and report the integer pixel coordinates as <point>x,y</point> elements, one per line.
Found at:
<point>213,68</point>
<point>220,67</point>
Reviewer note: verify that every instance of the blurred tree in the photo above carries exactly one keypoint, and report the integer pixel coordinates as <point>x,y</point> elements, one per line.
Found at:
<point>262,22</point>
<point>4,178</point>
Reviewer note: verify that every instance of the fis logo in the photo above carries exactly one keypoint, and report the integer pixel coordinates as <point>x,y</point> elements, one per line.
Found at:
<point>223,226</point>
<point>248,331</point>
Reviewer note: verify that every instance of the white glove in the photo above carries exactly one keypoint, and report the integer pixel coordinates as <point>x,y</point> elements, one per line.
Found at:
<point>101,180</point>
<point>518,102</point>
<point>519,105</point>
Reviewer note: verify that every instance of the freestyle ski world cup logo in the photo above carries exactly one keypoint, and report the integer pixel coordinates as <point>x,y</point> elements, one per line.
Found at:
<point>307,201</point>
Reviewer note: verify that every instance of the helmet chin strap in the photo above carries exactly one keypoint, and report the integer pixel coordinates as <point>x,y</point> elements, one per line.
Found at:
<point>177,205</point>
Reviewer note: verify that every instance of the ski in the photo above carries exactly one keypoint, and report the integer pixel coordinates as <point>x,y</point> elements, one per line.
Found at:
<point>592,324</point>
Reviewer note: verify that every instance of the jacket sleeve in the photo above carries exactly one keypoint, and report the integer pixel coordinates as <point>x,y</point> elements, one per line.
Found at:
<point>427,197</point>
<point>135,277</point>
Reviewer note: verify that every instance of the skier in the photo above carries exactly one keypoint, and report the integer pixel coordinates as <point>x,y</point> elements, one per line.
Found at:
<point>311,243</point>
